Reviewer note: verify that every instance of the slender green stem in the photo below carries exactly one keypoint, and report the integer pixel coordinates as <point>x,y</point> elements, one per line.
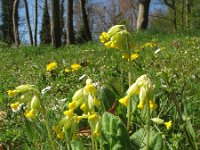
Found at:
<point>182,121</point>
<point>92,136</point>
<point>43,110</point>
<point>96,145</point>
<point>68,146</point>
<point>148,125</point>
<point>130,81</point>
<point>92,139</point>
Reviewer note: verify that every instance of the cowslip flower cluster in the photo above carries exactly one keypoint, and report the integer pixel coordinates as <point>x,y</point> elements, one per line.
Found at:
<point>29,95</point>
<point>151,44</point>
<point>128,57</point>
<point>115,37</point>
<point>144,89</point>
<point>51,66</point>
<point>167,124</point>
<point>74,67</point>
<point>85,99</point>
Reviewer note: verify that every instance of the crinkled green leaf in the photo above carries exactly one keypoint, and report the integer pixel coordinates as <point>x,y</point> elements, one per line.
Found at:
<point>139,138</point>
<point>114,133</point>
<point>107,97</point>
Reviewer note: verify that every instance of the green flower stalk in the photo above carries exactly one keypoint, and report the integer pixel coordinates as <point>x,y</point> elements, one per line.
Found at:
<point>119,38</point>
<point>144,89</point>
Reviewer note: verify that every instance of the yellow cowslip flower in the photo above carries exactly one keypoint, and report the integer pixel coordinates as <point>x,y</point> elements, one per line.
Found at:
<point>56,129</point>
<point>97,101</point>
<point>108,44</point>
<point>29,114</point>
<point>52,66</point>
<point>75,67</point>
<point>72,105</point>
<point>104,37</point>
<point>168,124</point>
<point>134,56</point>
<point>116,37</point>
<point>153,105</point>
<point>93,117</point>
<point>83,107</point>
<point>113,45</point>
<point>69,112</point>
<point>140,105</point>
<point>67,70</point>
<point>90,88</point>
<point>61,135</point>
<point>15,106</point>
<point>125,100</point>
<point>11,92</point>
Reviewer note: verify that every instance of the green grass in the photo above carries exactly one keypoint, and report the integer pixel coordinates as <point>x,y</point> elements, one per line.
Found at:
<point>173,70</point>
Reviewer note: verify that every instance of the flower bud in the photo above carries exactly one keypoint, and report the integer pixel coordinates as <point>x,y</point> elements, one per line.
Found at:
<point>143,94</point>
<point>115,29</point>
<point>158,120</point>
<point>78,94</point>
<point>26,88</point>
<point>35,103</point>
<point>134,89</point>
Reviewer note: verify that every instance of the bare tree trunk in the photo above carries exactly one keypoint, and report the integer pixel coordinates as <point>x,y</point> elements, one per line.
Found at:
<point>183,13</point>
<point>35,22</point>
<point>143,14</point>
<point>172,5</point>
<point>55,24</point>
<point>87,32</point>
<point>69,22</point>
<point>188,5</point>
<point>15,22</point>
<point>28,22</point>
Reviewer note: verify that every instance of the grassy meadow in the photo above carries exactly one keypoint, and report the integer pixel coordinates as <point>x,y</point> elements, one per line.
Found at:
<point>171,61</point>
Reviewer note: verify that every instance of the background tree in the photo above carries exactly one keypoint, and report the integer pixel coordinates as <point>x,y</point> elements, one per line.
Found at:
<point>55,24</point>
<point>86,28</point>
<point>6,27</point>
<point>15,22</point>
<point>62,22</point>
<point>69,23</point>
<point>28,22</point>
<point>193,14</point>
<point>172,4</point>
<point>45,33</point>
<point>143,14</point>
<point>35,22</point>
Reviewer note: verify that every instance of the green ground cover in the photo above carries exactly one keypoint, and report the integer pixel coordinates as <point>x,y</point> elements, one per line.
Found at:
<point>174,69</point>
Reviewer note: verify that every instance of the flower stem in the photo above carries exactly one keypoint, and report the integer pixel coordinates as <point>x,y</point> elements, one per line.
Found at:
<point>68,146</point>
<point>43,110</point>
<point>148,125</point>
<point>182,121</point>
<point>130,81</point>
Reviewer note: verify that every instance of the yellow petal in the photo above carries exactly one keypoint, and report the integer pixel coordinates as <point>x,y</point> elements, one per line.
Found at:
<point>125,100</point>
<point>168,124</point>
